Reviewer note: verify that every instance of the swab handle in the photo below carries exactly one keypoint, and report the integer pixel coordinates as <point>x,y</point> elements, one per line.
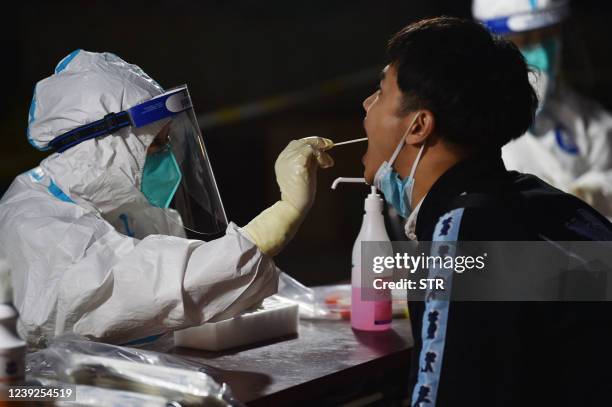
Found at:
<point>350,141</point>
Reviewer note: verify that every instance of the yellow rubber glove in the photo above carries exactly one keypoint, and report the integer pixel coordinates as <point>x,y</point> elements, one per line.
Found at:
<point>296,175</point>
<point>586,193</point>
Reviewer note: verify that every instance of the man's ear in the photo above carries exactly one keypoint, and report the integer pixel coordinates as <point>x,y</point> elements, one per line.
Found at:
<point>422,128</point>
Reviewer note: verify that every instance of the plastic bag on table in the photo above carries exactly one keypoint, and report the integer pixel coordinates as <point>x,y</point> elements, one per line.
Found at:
<point>324,302</point>
<point>74,359</point>
<point>91,396</point>
<point>330,301</point>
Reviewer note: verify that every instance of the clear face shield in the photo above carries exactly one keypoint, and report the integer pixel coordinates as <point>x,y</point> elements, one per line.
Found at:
<point>177,179</point>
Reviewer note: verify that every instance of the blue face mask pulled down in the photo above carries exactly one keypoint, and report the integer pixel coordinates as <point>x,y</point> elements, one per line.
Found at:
<point>397,192</point>
<point>161,177</point>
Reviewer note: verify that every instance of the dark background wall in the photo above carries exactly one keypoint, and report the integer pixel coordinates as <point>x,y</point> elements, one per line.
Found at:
<point>231,53</point>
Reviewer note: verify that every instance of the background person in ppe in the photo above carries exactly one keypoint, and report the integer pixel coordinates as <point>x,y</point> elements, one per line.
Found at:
<point>73,271</point>
<point>570,143</point>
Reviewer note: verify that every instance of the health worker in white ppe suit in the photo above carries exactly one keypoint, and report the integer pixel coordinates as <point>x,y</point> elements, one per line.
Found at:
<point>570,143</point>
<point>94,247</point>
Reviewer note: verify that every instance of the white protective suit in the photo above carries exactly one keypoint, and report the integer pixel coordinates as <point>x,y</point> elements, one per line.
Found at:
<point>570,143</point>
<point>570,147</point>
<point>72,271</point>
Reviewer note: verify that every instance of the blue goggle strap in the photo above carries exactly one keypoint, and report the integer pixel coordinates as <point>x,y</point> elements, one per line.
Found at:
<point>109,124</point>
<point>166,105</point>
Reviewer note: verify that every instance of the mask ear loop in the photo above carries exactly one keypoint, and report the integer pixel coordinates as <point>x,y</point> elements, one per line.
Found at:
<point>402,141</point>
<point>413,171</point>
<point>416,161</point>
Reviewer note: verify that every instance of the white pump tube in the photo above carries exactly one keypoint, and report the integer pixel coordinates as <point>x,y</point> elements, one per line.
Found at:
<point>347,179</point>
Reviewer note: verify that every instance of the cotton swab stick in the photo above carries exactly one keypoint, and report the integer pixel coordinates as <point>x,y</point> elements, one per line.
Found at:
<point>350,141</point>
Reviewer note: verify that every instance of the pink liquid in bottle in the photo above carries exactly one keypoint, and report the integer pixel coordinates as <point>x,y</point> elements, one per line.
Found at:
<point>370,315</point>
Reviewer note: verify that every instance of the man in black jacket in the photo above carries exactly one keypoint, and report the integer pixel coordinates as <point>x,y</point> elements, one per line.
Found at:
<point>450,98</point>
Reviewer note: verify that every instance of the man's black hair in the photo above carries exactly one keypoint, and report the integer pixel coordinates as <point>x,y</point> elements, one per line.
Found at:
<point>474,83</point>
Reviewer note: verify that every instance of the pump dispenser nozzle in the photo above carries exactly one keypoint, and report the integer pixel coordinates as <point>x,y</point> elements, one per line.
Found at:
<point>348,180</point>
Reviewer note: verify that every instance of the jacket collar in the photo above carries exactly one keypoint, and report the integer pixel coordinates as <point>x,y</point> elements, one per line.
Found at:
<point>462,177</point>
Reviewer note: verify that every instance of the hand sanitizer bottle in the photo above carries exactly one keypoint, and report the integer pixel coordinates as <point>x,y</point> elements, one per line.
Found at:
<point>374,313</point>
